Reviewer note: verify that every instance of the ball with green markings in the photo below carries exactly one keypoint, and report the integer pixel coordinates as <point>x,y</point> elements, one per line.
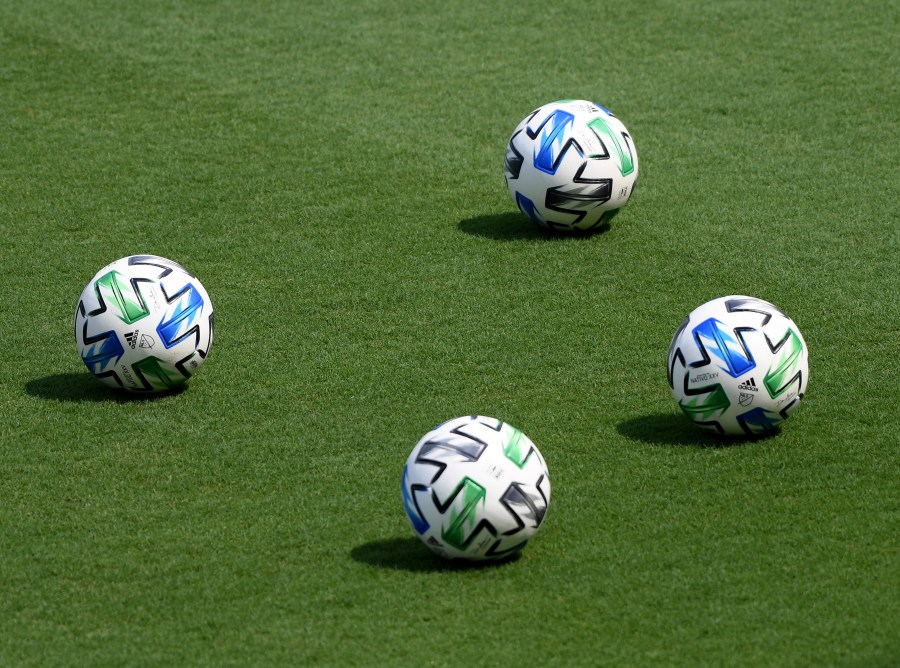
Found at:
<point>143,324</point>
<point>571,166</point>
<point>738,365</point>
<point>475,488</point>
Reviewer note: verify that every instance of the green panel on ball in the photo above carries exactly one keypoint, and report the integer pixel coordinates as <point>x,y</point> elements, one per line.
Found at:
<point>702,408</point>
<point>119,291</point>
<point>614,142</point>
<point>155,372</point>
<point>781,374</point>
<point>516,448</point>
<point>458,533</point>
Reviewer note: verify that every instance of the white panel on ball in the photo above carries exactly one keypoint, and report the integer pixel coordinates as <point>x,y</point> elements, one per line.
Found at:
<point>475,488</point>
<point>143,324</point>
<point>570,166</point>
<point>738,365</point>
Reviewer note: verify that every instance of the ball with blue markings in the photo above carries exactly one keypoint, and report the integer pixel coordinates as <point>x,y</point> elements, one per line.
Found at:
<point>143,324</point>
<point>475,488</point>
<point>571,166</point>
<point>738,365</point>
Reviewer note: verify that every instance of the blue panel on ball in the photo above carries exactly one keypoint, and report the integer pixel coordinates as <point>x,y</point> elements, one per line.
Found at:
<point>554,141</point>
<point>101,352</point>
<point>181,319</point>
<point>758,421</point>
<point>713,336</point>
<point>527,207</point>
<point>409,504</point>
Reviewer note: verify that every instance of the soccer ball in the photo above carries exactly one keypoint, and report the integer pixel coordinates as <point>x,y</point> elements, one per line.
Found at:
<point>570,166</point>
<point>738,365</point>
<point>475,488</point>
<point>144,324</point>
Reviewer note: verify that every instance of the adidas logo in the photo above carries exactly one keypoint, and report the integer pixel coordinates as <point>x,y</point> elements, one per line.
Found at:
<point>132,339</point>
<point>749,385</point>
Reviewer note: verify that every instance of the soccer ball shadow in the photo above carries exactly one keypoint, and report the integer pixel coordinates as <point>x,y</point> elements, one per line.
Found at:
<point>674,429</point>
<point>409,554</point>
<point>82,387</point>
<point>514,226</point>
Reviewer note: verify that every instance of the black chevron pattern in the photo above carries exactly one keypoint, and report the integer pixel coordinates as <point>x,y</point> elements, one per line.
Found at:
<point>438,453</point>
<point>580,196</point>
<point>525,508</point>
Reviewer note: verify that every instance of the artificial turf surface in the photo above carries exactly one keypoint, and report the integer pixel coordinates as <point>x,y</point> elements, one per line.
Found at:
<point>332,172</point>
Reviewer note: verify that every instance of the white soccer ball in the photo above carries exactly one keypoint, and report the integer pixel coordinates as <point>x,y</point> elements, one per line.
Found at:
<point>738,365</point>
<point>570,166</point>
<point>475,488</point>
<point>143,324</point>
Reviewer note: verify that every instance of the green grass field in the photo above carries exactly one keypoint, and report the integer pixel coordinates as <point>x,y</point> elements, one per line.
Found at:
<point>333,173</point>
